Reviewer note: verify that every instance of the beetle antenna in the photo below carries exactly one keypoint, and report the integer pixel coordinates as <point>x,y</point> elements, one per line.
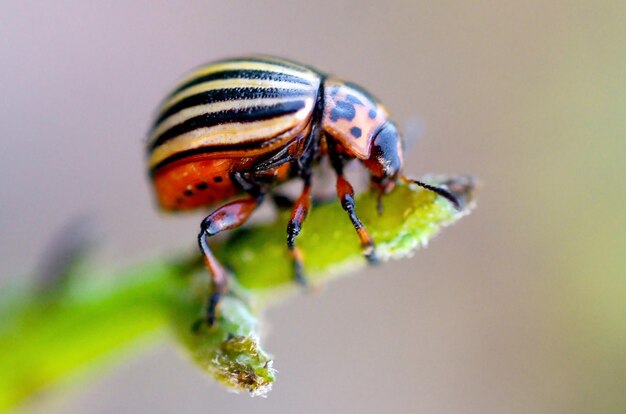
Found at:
<point>437,190</point>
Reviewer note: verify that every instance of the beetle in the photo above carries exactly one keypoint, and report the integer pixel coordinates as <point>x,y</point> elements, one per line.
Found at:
<point>234,129</point>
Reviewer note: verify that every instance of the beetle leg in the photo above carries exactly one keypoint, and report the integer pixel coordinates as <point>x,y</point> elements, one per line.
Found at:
<point>281,157</point>
<point>299,213</point>
<point>227,217</point>
<point>301,207</point>
<point>345,192</point>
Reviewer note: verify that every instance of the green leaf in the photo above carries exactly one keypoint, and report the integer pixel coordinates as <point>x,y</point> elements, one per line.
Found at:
<point>52,339</point>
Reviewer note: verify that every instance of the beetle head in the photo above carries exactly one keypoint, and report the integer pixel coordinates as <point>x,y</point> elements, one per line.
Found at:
<point>385,160</point>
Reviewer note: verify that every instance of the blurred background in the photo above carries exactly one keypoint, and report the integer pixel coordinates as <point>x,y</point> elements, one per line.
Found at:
<point>519,308</point>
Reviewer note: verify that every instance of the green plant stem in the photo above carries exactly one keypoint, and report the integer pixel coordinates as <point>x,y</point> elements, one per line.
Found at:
<point>48,340</point>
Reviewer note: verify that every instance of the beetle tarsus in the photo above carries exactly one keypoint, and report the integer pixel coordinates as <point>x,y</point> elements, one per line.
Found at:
<point>369,252</point>
<point>298,270</point>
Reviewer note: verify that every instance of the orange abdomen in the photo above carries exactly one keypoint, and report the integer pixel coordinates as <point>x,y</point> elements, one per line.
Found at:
<point>200,182</point>
<point>194,183</point>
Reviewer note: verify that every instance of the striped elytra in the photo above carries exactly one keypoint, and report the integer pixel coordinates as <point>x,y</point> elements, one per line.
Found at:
<point>227,115</point>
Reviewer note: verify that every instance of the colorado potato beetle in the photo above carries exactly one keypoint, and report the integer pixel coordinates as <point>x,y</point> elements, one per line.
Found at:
<point>234,129</point>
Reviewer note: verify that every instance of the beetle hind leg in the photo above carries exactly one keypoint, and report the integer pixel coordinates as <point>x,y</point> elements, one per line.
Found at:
<point>227,217</point>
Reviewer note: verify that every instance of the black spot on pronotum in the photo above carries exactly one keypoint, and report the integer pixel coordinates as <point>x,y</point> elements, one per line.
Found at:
<point>372,114</point>
<point>188,192</point>
<point>356,132</point>
<point>202,186</point>
<point>353,100</point>
<point>343,110</point>
<point>218,179</point>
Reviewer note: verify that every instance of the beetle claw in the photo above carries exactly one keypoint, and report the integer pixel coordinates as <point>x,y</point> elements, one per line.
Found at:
<point>369,252</point>
<point>372,258</point>
<point>298,271</point>
<point>301,280</point>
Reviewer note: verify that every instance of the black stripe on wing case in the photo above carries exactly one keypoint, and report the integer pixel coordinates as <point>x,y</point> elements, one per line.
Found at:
<point>230,94</point>
<point>212,149</point>
<point>272,60</point>
<point>266,75</point>
<point>229,116</point>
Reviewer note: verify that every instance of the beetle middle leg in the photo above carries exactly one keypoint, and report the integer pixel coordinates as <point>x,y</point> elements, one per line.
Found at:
<point>299,212</point>
<point>227,217</point>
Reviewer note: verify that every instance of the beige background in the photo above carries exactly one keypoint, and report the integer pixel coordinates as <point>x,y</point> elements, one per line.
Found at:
<point>519,308</point>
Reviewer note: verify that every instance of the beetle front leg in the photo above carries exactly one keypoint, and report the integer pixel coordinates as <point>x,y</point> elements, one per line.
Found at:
<point>345,192</point>
<point>227,217</point>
